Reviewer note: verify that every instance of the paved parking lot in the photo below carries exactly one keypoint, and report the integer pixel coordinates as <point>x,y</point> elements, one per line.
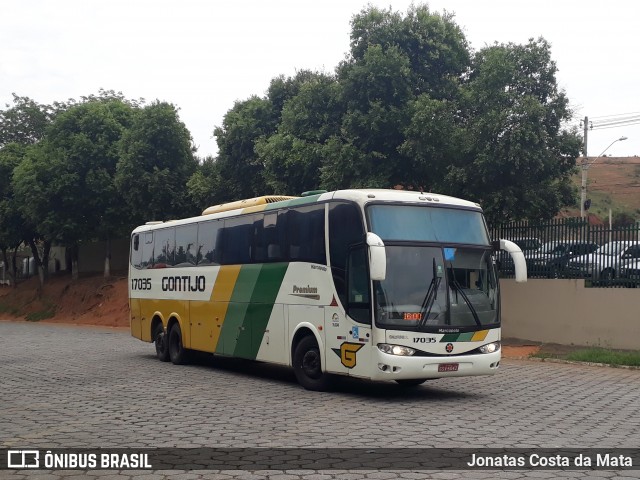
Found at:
<point>79,387</point>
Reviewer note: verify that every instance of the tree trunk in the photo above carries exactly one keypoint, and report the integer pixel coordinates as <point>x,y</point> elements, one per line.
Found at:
<point>38,261</point>
<point>74,262</point>
<point>5,263</point>
<point>107,260</point>
<point>13,271</point>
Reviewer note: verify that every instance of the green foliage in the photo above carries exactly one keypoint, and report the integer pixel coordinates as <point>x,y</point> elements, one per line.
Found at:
<point>66,183</point>
<point>411,105</point>
<point>204,186</point>
<point>13,228</point>
<point>242,126</point>
<point>156,161</point>
<point>25,122</point>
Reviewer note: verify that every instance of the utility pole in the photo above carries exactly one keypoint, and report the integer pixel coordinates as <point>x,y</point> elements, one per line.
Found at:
<point>585,168</point>
<point>583,188</point>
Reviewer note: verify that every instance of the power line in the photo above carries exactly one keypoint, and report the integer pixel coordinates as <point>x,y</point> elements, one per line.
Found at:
<point>615,115</point>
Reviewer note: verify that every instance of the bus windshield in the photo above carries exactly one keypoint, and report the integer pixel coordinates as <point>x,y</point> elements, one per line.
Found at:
<point>418,223</point>
<point>430,288</point>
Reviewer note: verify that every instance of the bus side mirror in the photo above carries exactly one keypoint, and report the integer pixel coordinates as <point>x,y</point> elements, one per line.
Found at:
<point>377,257</point>
<point>519,262</point>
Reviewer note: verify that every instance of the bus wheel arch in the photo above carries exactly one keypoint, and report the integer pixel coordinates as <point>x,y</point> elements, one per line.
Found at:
<point>177,352</point>
<point>160,338</point>
<point>307,361</point>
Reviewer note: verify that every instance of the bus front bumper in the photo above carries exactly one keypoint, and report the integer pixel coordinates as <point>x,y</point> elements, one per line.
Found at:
<point>396,367</point>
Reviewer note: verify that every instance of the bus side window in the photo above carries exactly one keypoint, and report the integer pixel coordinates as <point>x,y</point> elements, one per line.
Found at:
<point>208,251</point>
<point>237,240</point>
<point>358,306</point>
<point>147,251</point>
<point>136,251</point>
<point>186,239</point>
<point>345,230</point>
<point>268,238</point>
<point>164,247</point>
<point>306,234</point>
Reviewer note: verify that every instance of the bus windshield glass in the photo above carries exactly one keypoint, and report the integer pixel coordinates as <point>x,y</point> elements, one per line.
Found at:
<point>429,288</point>
<point>428,224</point>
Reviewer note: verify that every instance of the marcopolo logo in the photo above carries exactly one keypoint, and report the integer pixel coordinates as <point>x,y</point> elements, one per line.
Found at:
<point>23,459</point>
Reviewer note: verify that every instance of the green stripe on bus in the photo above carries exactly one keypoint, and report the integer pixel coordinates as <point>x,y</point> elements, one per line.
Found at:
<point>233,320</point>
<point>458,337</point>
<point>250,307</point>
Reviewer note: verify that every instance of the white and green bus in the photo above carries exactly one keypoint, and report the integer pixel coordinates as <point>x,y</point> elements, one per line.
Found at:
<point>375,284</point>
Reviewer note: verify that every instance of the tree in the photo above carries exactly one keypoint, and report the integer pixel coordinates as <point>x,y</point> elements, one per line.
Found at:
<point>292,157</point>
<point>205,187</point>
<point>393,62</point>
<point>13,227</point>
<point>518,160</point>
<point>156,161</point>
<point>25,122</point>
<point>412,105</point>
<point>66,186</point>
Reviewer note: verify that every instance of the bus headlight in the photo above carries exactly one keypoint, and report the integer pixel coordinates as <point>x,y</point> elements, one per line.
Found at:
<point>396,349</point>
<point>490,347</point>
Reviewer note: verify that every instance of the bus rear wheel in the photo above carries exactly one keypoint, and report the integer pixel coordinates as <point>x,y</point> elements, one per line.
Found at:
<point>162,343</point>
<point>307,365</point>
<point>177,352</point>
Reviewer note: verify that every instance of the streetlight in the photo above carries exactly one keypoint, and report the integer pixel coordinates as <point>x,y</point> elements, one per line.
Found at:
<point>585,167</point>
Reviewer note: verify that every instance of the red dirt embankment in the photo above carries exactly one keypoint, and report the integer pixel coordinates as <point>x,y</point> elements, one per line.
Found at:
<point>87,301</point>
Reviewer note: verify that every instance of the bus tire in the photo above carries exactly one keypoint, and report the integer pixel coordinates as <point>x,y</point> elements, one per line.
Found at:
<point>162,343</point>
<point>177,352</point>
<point>307,365</point>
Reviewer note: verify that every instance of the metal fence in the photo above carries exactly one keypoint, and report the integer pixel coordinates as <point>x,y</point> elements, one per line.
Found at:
<point>571,248</point>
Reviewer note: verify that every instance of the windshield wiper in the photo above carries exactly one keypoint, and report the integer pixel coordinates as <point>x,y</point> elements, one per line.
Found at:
<point>430,297</point>
<point>459,289</point>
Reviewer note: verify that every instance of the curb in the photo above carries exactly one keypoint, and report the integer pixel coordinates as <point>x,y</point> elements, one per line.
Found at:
<point>573,362</point>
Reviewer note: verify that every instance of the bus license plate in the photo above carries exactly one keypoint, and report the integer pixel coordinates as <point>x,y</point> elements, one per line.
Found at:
<point>448,367</point>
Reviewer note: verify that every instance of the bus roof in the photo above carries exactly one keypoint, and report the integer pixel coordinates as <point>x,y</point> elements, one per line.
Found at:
<point>359,196</point>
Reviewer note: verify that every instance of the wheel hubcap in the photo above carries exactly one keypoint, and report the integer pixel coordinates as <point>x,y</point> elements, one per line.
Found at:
<point>311,364</point>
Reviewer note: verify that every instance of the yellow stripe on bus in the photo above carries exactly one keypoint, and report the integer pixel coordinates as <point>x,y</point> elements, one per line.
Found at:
<point>207,317</point>
<point>479,336</point>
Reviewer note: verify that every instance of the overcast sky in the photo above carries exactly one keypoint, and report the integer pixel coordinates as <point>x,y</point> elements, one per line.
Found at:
<point>203,55</point>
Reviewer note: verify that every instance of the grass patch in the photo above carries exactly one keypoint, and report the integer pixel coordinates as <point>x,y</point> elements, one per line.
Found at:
<point>602,355</point>
<point>41,315</point>
<point>8,309</point>
<point>593,355</point>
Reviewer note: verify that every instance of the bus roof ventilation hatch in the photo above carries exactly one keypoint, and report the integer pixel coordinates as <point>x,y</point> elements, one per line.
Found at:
<point>249,202</point>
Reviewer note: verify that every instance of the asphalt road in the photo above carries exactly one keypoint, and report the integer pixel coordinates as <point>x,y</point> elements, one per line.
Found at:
<point>79,387</point>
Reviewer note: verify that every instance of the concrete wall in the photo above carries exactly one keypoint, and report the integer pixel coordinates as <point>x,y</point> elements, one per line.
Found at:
<point>564,312</point>
<point>91,256</point>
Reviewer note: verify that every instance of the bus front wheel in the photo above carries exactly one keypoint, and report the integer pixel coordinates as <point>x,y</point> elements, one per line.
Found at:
<point>307,365</point>
<point>162,344</point>
<point>177,352</point>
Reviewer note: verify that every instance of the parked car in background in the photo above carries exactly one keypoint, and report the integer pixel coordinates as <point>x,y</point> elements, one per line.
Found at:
<point>552,259</point>
<point>606,262</point>
<point>504,261</point>
<point>630,273</point>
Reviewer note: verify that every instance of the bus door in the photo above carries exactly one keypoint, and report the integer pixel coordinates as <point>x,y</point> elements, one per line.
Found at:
<point>356,349</point>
